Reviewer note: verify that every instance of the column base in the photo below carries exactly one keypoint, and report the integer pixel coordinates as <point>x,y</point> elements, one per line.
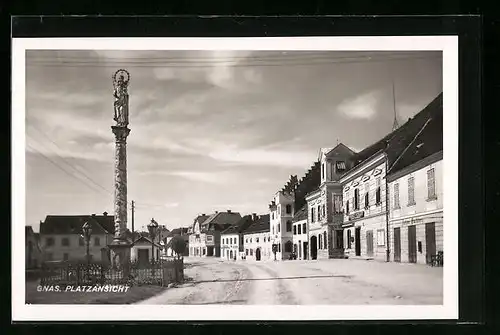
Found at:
<point>120,256</point>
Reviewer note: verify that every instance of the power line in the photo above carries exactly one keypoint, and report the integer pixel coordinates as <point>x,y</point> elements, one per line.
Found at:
<point>180,65</point>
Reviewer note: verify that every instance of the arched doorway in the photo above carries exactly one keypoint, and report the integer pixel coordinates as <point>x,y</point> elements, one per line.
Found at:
<point>230,254</point>
<point>257,254</point>
<point>314,247</point>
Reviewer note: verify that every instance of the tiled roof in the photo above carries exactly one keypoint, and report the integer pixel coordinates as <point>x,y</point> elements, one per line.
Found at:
<point>427,142</point>
<point>301,214</point>
<point>396,142</point>
<point>241,226</point>
<point>307,184</point>
<point>146,240</point>
<point>72,224</point>
<point>178,231</point>
<point>220,221</point>
<point>262,224</point>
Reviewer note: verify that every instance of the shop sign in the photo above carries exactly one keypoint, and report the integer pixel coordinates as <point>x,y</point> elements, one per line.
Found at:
<point>357,215</point>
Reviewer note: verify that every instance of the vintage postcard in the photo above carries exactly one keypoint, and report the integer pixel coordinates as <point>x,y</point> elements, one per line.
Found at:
<point>304,178</point>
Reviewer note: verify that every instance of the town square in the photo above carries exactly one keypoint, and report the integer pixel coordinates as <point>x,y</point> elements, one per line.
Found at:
<point>234,177</point>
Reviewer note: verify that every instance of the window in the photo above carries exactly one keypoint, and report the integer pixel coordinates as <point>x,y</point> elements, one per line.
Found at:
<point>288,246</point>
<point>356,198</point>
<point>257,239</point>
<point>320,241</point>
<point>289,226</point>
<point>65,256</point>
<point>340,166</point>
<point>431,184</point>
<point>323,210</point>
<point>377,192</point>
<point>319,213</point>
<point>312,215</point>
<point>246,252</point>
<point>97,241</point>
<point>272,215</point>
<point>325,241</point>
<point>294,230</point>
<point>380,237</point>
<point>299,230</point>
<point>323,171</point>
<point>367,195</point>
<point>81,242</point>
<point>65,242</point>
<point>347,207</point>
<point>273,230</point>
<point>337,203</point>
<point>279,227</point>
<point>396,195</point>
<point>279,247</point>
<point>251,252</point>
<point>411,191</point>
<point>288,209</point>
<point>303,228</point>
<point>250,240</point>
<point>349,239</point>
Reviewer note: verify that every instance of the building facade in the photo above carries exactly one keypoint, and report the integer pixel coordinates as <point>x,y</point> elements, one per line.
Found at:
<point>257,240</point>
<point>143,251</point>
<point>61,237</point>
<point>325,210</point>
<point>281,216</point>
<point>365,210</point>
<point>205,241</point>
<point>416,196</point>
<point>33,250</point>
<point>300,234</point>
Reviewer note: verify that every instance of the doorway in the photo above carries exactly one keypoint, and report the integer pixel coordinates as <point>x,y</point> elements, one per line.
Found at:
<point>397,244</point>
<point>257,254</point>
<point>412,244</point>
<point>305,247</point>
<point>357,241</point>
<point>369,243</point>
<point>230,254</point>
<point>430,241</point>
<point>340,239</point>
<point>143,257</point>
<point>314,247</point>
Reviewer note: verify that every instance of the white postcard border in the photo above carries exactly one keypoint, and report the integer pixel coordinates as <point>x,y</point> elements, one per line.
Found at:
<point>449,310</point>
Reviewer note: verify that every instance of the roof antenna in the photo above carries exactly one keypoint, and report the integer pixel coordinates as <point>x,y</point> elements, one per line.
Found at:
<point>395,124</point>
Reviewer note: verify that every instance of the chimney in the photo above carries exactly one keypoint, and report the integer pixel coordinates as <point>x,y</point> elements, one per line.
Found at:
<point>254,216</point>
<point>203,214</point>
<point>105,213</point>
<point>216,212</point>
<point>229,211</point>
<point>93,215</point>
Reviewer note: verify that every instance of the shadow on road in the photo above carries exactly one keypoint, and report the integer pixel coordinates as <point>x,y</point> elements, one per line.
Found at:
<point>271,278</point>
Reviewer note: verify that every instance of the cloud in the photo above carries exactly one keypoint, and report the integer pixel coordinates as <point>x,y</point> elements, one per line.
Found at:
<point>264,157</point>
<point>207,177</point>
<point>362,107</point>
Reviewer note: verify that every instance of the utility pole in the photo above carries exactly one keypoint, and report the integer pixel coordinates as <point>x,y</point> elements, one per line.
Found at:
<point>133,212</point>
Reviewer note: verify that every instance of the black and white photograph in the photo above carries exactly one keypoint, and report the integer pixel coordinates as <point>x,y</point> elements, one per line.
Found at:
<point>236,179</point>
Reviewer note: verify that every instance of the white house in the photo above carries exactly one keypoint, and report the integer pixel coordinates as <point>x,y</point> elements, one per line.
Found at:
<point>257,240</point>
<point>416,196</point>
<point>300,234</point>
<point>143,250</point>
<point>232,242</point>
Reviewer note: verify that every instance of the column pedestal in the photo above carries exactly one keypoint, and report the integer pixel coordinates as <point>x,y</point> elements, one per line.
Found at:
<point>120,256</point>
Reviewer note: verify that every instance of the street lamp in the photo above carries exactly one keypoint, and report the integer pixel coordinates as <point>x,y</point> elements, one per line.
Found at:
<point>87,232</point>
<point>152,228</point>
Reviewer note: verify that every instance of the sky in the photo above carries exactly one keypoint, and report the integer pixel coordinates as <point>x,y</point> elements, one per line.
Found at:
<point>210,130</point>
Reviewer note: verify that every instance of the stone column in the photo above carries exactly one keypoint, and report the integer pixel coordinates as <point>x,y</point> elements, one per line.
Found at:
<point>120,247</point>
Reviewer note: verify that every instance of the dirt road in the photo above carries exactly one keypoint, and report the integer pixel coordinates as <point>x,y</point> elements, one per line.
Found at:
<point>340,282</point>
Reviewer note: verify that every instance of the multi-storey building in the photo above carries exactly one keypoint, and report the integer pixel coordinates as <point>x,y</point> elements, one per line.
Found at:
<point>366,213</point>
<point>300,234</point>
<point>232,243</point>
<point>324,204</point>
<point>33,251</point>
<point>62,237</point>
<point>257,239</point>
<point>416,196</point>
<point>206,237</point>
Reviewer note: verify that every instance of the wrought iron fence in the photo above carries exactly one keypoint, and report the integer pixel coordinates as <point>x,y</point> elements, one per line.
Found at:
<point>162,272</point>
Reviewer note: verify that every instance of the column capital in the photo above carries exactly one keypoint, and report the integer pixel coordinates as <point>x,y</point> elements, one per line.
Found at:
<point>121,133</point>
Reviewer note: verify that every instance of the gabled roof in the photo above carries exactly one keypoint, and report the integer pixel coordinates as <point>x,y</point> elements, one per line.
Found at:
<point>301,214</point>
<point>178,231</point>
<point>220,221</point>
<point>72,224</point>
<point>340,146</point>
<point>262,224</point>
<point>397,141</point>
<point>240,226</point>
<point>145,239</point>
<point>427,142</point>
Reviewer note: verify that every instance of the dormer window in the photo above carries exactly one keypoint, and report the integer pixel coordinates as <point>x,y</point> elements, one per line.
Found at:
<point>323,171</point>
<point>340,166</point>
